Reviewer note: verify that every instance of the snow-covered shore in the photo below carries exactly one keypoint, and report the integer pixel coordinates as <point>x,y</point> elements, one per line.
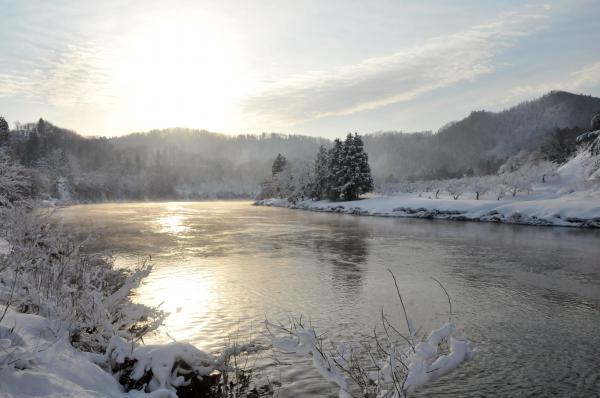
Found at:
<point>566,196</point>
<point>580,209</point>
<point>40,362</point>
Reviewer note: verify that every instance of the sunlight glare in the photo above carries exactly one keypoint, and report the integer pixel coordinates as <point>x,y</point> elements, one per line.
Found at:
<point>172,224</point>
<point>173,220</point>
<point>186,296</point>
<point>178,72</point>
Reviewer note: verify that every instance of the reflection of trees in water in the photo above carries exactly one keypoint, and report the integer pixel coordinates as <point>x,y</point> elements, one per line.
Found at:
<point>346,247</point>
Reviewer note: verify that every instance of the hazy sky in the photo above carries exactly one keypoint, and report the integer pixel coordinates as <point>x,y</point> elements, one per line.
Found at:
<point>308,67</point>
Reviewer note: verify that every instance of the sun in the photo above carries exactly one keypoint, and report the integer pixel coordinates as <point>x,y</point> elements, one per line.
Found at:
<point>179,71</point>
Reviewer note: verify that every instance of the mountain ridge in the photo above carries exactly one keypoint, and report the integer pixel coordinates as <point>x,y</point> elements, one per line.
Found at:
<point>182,162</point>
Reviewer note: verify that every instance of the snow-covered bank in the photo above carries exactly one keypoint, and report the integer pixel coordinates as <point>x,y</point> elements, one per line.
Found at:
<point>526,191</point>
<point>37,360</point>
<point>581,209</point>
<point>69,329</point>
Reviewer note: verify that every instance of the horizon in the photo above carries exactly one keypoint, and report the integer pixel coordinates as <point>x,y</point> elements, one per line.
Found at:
<point>233,68</point>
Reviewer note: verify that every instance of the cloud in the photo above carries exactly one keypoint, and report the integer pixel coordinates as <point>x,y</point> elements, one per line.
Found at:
<point>580,80</point>
<point>377,82</point>
<point>58,78</point>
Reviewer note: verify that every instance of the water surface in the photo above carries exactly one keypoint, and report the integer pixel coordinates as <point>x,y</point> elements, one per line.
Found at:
<point>528,297</point>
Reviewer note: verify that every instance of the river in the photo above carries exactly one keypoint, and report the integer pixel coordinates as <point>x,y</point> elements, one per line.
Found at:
<point>527,297</point>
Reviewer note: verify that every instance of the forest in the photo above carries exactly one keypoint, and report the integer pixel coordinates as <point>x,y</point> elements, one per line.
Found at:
<point>183,163</point>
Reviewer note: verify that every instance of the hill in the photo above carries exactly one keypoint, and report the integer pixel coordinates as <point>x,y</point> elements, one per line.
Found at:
<point>185,163</point>
<point>481,142</point>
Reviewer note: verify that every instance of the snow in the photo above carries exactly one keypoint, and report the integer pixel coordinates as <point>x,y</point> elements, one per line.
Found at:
<point>39,362</point>
<point>422,371</point>
<point>161,369</point>
<point>5,247</point>
<point>580,209</point>
<point>160,360</point>
<point>304,342</point>
<point>542,194</point>
<point>63,188</point>
<point>419,364</point>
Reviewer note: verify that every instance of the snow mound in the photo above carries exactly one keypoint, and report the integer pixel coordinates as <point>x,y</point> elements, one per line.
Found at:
<point>153,368</point>
<point>163,370</point>
<point>36,360</point>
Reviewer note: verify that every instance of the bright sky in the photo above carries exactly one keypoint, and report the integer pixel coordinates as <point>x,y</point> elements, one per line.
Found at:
<point>312,67</point>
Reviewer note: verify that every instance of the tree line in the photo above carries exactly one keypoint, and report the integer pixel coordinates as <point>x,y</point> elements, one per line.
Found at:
<point>341,172</point>
<point>196,164</point>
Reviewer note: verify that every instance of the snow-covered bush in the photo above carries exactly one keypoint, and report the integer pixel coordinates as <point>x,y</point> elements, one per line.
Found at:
<point>583,171</point>
<point>478,185</point>
<point>15,181</point>
<point>455,188</point>
<point>180,369</point>
<point>81,301</point>
<point>46,273</point>
<point>392,365</point>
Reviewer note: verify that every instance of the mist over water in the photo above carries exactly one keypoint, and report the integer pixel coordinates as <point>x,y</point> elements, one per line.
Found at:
<point>527,297</point>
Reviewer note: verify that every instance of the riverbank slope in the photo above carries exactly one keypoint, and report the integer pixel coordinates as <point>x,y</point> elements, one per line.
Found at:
<point>580,209</point>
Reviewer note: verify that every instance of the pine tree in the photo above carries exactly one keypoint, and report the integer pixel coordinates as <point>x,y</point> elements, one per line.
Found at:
<point>354,174</point>
<point>595,123</point>
<point>363,179</point>
<point>341,172</point>
<point>319,187</point>
<point>32,148</point>
<point>4,129</point>
<point>278,164</point>
<point>336,171</point>
<point>346,185</point>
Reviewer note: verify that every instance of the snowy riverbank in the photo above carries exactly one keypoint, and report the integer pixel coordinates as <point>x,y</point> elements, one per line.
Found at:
<point>567,195</point>
<point>38,360</point>
<point>580,209</point>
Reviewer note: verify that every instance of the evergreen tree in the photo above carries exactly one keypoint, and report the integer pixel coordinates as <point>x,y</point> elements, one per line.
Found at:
<point>32,148</point>
<point>4,129</point>
<point>336,171</point>
<point>319,187</point>
<point>595,123</point>
<point>350,169</point>
<point>278,164</point>
<point>353,174</point>
<point>363,179</point>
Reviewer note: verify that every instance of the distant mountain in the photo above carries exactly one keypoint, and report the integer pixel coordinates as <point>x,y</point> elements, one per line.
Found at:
<point>480,142</point>
<point>162,164</point>
<point>185,163</point>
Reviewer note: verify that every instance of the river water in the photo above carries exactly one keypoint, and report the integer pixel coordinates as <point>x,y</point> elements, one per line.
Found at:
<point>527,297</point>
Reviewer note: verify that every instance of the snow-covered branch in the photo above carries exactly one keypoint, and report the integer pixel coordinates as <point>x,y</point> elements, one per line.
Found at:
<point>391,365</point>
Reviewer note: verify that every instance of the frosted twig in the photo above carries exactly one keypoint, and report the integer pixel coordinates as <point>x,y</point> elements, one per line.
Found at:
<point>447,295</point>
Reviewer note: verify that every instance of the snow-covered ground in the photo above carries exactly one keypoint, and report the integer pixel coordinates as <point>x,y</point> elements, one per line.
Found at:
<point>569,198</point>
<point>574,210</point>
<point>38,361</point>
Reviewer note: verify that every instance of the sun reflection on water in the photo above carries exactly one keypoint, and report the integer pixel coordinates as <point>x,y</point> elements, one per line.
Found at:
<point>185,293</point>
<point>179,285</point>
<point>172,224</point>
<point>174,221</point>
